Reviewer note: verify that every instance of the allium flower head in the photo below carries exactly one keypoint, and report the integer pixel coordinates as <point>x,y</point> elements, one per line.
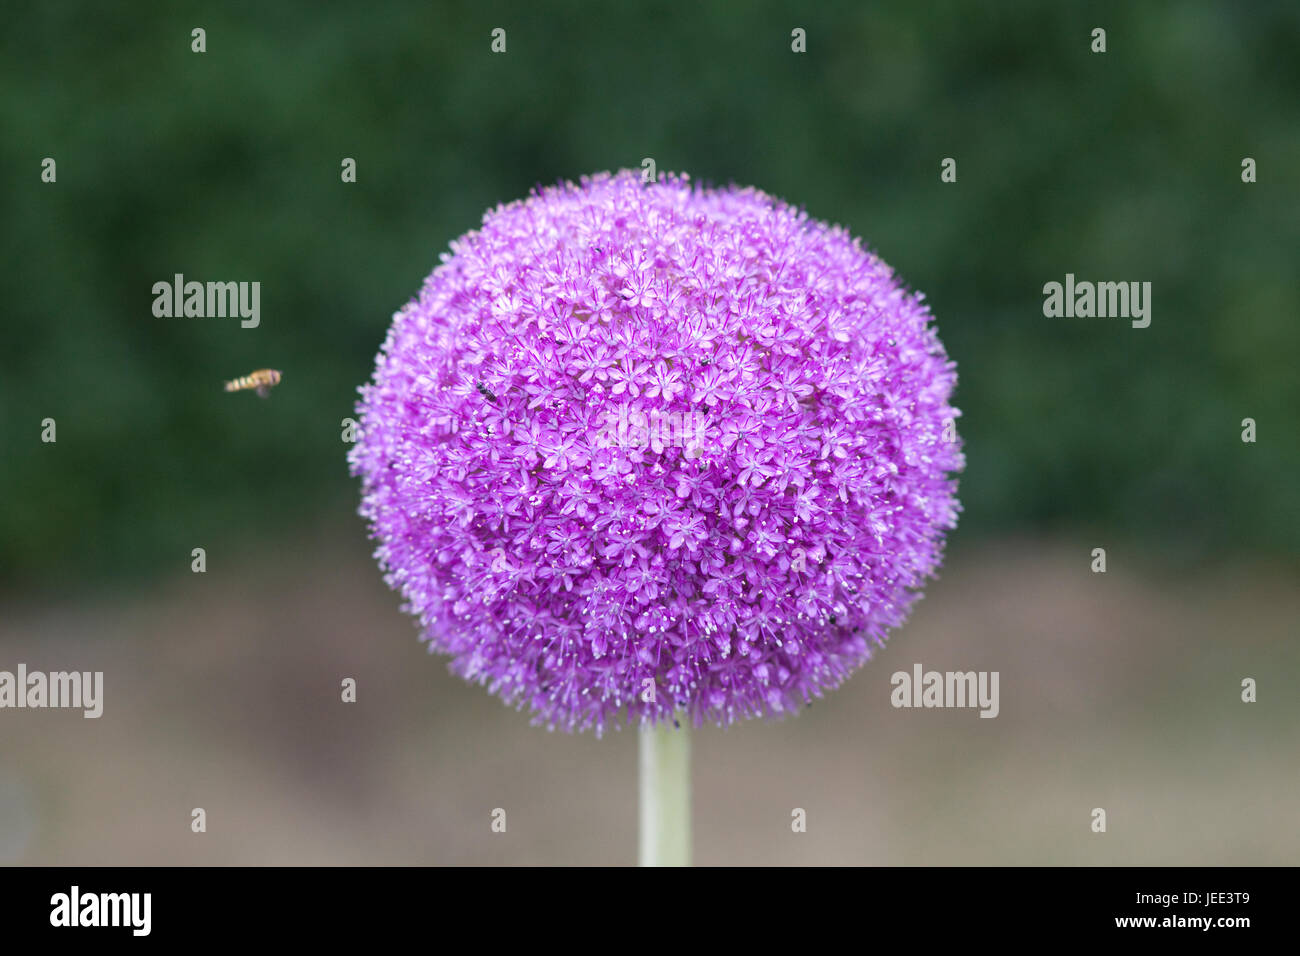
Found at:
<point>641,448</point>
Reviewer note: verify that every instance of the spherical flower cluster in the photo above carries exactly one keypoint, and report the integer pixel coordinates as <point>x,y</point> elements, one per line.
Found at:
<point>639,449</point>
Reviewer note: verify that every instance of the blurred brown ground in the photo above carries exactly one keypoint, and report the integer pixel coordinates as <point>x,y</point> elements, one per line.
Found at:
<point>1119,691</point>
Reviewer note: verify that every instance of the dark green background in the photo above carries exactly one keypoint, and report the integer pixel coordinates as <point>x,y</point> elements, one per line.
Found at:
<point>225,166</point>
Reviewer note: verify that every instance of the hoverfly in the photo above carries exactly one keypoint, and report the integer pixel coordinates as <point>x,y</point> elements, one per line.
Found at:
<point>262,380</point>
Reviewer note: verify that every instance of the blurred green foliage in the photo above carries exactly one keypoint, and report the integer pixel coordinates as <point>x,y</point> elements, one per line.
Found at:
<point>225,166</point>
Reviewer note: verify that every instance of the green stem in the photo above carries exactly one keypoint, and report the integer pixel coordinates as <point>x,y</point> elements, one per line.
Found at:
<point>665,811</point>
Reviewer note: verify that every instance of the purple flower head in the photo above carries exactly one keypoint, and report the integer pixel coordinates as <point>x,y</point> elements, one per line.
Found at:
<point>641,448</point>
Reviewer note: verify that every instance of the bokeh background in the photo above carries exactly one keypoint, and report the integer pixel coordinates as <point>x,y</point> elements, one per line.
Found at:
<point>1118,690</point>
